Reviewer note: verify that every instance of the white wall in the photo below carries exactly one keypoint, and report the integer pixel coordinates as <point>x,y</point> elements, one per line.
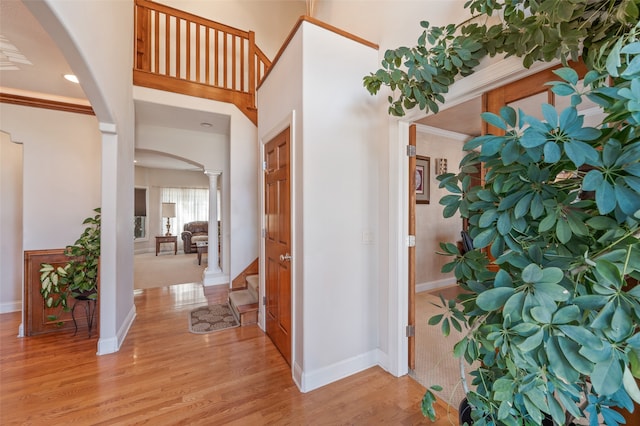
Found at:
<point>103,59</point>
<point>270,20</point>
<point>431,227</point>
<point>341,148</point>
<point>10,224</point>
<point>208,149</point>
<point>236,156</point>
<point>61,172</point>
<point>58,165</point>
<point>389,23</point>
<point>336,150</point>
<point>279,100</point>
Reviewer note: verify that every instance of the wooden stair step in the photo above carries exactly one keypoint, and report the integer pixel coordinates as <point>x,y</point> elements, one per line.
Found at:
<point>244,306</point>
<point>252,285</point>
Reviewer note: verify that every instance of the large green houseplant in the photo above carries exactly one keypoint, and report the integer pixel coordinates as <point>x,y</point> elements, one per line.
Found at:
<point>549,308</point>
<point>78,278</point>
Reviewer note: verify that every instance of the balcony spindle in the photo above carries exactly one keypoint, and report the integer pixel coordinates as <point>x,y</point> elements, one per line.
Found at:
<point>233,64</point>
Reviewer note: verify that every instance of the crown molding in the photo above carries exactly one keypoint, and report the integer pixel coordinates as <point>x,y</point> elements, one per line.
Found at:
<point>36,102</point>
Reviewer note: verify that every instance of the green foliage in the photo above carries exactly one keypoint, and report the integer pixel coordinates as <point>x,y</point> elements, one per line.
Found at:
<point>549,309</point>
<point>77,277</point>
<point>534,30</point>
<point>560,212</point>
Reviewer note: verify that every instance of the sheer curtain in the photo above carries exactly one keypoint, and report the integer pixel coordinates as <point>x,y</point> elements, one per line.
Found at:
<point>191,204</point>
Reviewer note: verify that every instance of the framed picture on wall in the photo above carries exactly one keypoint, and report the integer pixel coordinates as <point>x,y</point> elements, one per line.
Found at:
<point>422,179</point>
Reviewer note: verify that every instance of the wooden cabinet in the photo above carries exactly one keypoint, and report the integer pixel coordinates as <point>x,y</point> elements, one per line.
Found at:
<point>36,313</point>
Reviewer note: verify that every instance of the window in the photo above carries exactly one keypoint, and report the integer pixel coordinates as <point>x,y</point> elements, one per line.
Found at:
<point>191,204</point>
<point>140,230</point>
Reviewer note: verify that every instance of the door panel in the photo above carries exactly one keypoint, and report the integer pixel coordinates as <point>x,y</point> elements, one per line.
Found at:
<point>528,94</point>
<point>278,243</point>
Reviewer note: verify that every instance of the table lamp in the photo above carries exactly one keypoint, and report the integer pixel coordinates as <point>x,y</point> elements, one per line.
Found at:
<point>168,211</point>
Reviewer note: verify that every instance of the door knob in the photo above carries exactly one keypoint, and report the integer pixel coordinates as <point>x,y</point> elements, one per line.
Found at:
<point>285,257</point>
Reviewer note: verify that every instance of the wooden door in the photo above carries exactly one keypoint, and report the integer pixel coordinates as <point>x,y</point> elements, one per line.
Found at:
<point>522,90</point>
<point>527,94</point>
<point>278,243</point>
<point>412,250</point>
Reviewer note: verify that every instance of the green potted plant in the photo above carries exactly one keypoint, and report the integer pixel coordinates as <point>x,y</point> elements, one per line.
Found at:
<point>78,278</point>
<point>549,307</point>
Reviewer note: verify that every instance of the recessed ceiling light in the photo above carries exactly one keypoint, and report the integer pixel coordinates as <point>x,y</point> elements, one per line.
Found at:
<point>72,78</point>
<point>205,124</point>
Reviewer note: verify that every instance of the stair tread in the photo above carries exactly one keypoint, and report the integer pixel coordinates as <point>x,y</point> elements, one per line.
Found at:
<point>247,308</point>
<point>242,297</point>
<point>252,281</point>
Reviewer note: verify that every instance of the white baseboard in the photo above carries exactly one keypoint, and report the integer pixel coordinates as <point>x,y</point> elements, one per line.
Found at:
<point>144,250</point>
<point>383,361</point>
<point>14,306</point>
<point>210,278</point>
<point>297,375</point>
<point>112,344</point>
<point>434,285</point>
<point>331,373</point>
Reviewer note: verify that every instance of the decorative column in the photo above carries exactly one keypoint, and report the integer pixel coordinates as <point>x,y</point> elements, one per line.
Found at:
<point>213,275</point>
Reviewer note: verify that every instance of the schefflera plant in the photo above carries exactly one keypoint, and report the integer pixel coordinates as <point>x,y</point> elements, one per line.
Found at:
<point>549,307</point>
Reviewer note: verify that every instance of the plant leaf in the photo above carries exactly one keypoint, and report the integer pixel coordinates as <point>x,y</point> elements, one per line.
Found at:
<point>493,299</point>
<point>607,376</point>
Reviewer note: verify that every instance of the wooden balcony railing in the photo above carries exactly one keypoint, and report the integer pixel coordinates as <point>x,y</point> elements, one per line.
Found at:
<point>184,53</point>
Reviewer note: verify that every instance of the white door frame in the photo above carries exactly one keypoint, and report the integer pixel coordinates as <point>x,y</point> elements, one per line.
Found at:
<point>495,75</point>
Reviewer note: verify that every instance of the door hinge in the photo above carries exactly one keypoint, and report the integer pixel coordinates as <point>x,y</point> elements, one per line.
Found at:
<point>264,166</point>
<point>411,150</point>
<point>264,233</point>
<point>411,240</point>
<point>264,300</point>
<point>411,330</point>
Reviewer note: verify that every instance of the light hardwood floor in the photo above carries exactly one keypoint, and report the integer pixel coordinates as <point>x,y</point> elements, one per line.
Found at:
<point>164,375</point>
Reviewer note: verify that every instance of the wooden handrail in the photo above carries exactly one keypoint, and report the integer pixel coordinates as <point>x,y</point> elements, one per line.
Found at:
<point>184,53</point>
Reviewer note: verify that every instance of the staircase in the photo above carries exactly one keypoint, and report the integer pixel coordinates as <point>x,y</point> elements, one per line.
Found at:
<point>183,53</point>
<point>244,301</point>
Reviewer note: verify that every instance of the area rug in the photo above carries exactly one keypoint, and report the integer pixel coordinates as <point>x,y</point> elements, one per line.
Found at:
<point>150,271</point>
<point>435,363</point>
<point>207,319</point>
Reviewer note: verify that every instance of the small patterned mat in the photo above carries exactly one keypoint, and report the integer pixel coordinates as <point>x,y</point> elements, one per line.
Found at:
<point>211,318</point>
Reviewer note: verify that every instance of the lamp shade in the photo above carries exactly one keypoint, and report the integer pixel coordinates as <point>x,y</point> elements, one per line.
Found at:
<point>168,209</point>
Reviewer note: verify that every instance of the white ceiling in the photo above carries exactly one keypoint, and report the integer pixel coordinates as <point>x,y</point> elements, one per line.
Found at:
<point>463,118</point>
<point>32,65</point>
<point>37,66</point>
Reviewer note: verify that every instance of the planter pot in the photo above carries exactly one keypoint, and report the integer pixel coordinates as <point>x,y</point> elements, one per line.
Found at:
<point>464,413</point>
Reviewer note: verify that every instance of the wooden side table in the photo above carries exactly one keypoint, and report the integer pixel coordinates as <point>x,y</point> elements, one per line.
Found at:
<point>167,239</point>
<point>202,247</point>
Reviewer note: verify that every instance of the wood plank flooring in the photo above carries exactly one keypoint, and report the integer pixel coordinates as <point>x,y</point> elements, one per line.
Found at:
<point>164,375</point>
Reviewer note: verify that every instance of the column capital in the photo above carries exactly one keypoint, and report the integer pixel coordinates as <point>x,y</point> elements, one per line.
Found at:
<point>213,173</point>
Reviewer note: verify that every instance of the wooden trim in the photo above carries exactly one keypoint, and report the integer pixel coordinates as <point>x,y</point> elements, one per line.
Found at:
<point>228,68</point>
<point>321,24</point>
<point>411,320</point>
<point>36,321</point>
<point>192,88</point>
<point>241,280</point>
<point>28,101</point>
<point>343,33</point>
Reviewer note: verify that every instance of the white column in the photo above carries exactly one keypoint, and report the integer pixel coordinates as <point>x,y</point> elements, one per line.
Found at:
<point>213,275</point>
